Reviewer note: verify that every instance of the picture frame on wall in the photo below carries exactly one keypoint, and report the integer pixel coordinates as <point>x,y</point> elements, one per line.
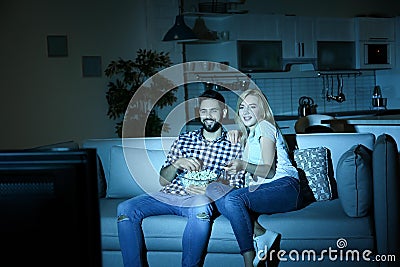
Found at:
<point>91,66</point>
<point>57,46</point>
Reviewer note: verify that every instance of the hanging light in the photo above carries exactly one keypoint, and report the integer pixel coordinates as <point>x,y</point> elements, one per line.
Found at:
<point>180,31</point>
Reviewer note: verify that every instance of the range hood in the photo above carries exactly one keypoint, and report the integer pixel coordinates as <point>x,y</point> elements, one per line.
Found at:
<point>304,64</point>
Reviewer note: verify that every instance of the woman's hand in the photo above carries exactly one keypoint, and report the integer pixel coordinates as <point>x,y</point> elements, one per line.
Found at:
<point>233,136</point>
<point>190,164</point>
<point>235,166</point>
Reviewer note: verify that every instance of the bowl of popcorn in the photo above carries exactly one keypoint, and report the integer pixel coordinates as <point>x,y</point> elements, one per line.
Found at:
<point>198,178</point>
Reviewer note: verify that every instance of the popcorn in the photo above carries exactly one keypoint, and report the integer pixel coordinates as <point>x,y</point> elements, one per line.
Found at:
<point>198,178</point>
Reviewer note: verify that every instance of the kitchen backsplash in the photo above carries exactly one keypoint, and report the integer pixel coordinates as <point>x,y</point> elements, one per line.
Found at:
<point>284,93</point>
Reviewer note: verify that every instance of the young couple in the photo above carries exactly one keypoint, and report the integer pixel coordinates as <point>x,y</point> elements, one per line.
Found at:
<point>261,180</point>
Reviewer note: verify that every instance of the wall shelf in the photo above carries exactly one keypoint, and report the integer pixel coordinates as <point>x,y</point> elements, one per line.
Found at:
<point>200,41</point>
<point>214,15</point>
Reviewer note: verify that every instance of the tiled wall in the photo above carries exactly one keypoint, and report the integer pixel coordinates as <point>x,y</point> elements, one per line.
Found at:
<point>284,93</point>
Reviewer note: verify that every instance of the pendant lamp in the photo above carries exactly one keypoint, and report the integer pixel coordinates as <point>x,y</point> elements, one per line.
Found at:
<point>180,31</point>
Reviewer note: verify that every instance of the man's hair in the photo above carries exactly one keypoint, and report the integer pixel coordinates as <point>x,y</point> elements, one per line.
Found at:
<point>211,94</point>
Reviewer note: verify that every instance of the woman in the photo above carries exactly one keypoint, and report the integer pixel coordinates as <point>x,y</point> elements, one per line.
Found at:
<point>272,183</point>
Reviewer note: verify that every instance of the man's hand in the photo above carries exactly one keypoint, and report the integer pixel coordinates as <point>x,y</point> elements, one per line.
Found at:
<point>195,190</point>
<point>167,174</point>
<point>190,164</point>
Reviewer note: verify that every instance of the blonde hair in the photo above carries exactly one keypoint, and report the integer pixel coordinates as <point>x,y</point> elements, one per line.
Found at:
<point>268,115</point>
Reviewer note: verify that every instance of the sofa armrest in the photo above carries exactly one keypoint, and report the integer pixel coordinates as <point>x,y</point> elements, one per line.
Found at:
<point>386,186</point>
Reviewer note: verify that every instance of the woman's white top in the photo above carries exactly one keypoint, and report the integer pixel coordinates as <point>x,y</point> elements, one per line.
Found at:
<point>253,154</point>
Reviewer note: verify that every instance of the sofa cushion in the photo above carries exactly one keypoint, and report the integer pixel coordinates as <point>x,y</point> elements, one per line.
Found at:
<point>354,180</point>
<point>163,232</point>
<point>133,171</point>
<point>319,226</point>
<point>313,163</point>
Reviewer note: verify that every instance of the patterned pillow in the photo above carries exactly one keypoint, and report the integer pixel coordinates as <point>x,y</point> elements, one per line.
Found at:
<point>313,163</point>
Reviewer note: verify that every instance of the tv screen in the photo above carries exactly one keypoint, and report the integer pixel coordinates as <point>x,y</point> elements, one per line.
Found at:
<point>49,208</point>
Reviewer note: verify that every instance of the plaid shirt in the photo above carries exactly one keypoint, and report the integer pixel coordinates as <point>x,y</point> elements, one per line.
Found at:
<point>214,155</point>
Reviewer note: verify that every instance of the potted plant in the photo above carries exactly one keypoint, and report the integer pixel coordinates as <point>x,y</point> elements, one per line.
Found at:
<point>126,78</point>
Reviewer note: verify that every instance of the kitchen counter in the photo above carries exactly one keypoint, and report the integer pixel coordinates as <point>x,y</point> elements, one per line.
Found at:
<point>376,124</point>
<point>368,120</point>
<point>347,121</point>
<point>356,113</point>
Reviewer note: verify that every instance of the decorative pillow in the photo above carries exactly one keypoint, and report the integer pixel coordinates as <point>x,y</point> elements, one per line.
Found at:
<point>354,180</point>
<point>313,163</point>
<point>133,171</point>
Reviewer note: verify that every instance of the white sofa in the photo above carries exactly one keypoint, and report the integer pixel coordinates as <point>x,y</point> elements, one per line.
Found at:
<point>316,227</point>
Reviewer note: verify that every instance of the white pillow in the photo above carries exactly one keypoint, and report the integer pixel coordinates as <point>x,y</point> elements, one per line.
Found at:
<point>134,171</point>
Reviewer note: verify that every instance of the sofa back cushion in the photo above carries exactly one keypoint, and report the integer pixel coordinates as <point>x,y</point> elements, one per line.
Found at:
<point>133,171</point>
<point>104,149</point>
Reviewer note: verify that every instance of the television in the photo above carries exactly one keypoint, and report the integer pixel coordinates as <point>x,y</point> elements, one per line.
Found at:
<point>49,208</point>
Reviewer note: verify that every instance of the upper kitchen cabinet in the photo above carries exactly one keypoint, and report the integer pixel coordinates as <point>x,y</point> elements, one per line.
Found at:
<point>370,29</point>
<point>222,52</point>
<point>298,37</point>
<point>211,27</point>
<point>335,29</point>
<point>256,27</point>
<point>376,43</point>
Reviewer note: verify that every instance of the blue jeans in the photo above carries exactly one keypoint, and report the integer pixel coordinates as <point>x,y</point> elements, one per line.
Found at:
<point>241,205</point>
<point>132,212</point>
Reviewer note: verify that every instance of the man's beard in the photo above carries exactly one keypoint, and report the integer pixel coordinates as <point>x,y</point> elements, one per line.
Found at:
<point>211,127</point>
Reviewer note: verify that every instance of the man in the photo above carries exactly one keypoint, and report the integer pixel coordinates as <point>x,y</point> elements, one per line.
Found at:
<point>205,148</point>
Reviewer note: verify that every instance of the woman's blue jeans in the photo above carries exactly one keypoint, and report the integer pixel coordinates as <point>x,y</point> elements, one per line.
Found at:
<point>240,206</point>
<point>132,212</point>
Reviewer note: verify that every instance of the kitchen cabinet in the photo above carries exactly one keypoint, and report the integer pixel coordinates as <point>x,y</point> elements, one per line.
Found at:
<point>217,52</point>
<point>213,25</point>
<point>248,27</point>
<point>298,37</point>
<point>240,26</point>
<point>378,29</point>
<point>335,29</point>
<point>257,27</point>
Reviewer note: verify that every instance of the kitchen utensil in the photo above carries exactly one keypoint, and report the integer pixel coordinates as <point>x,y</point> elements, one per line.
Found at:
<point>325,88</point>
<point>306,106</point>
<point>340,97</point>
<point>329,89</point>
<point>379,103</point>
<point>377,92</point>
